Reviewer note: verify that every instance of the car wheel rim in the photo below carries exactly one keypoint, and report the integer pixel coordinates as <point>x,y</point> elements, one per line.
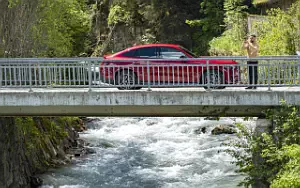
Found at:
<point>126,81</point>
<point>214,78</point>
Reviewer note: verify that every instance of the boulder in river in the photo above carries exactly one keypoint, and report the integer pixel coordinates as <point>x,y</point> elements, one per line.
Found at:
<point>200,130</point>
<point>224,129</point>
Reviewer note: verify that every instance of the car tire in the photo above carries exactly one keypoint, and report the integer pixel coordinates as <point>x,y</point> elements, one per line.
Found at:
<point>215,77</point>
<point>126,79</point>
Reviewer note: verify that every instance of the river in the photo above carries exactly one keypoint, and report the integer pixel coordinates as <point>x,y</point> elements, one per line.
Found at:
<point>150,153</point>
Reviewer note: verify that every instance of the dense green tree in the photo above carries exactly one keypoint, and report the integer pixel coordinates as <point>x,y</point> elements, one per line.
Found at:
<point>236,29</point>
<point>43,28</point>
<point>209,26</point>
<point>61,29</point>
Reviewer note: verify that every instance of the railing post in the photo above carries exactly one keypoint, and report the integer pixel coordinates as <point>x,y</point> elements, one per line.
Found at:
<point>208,75</point>
<point>30,78</point>
<point>148,75</point>
<point>269,77</point>
<point>90,75</point>
<point>298,69</point>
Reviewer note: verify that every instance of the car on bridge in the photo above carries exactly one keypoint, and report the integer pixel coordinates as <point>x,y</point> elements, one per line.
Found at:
<point>165,65</point>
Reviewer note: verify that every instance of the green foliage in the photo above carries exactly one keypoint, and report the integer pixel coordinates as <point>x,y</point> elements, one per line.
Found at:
<point>211,24</point>
<point>235,19</point>
<point>260,1</point>
<point>279,34</point>
<point>272,158</point>
<point>289,175</point>
<point>13,3</point>
<point>118,15</point>
<point>28,128</point>
<point>276,34</point>
<point>62,28</point>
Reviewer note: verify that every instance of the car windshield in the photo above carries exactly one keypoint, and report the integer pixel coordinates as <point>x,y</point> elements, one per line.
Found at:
<point>189,52</point>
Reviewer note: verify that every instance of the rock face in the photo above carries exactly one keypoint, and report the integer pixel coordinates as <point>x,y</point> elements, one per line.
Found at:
<point>29,146</point>
<point>223,129</point>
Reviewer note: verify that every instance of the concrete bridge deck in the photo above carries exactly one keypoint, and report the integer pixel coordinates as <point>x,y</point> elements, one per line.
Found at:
<point>185,102</point>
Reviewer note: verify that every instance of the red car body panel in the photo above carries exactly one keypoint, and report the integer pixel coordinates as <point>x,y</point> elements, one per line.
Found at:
<point>165,70</point>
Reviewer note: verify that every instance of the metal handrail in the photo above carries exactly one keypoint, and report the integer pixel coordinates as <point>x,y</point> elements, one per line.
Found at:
<point>33,60</point>
<point>274,71</point>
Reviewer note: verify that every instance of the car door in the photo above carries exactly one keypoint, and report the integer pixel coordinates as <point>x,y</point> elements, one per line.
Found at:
<point>144,72</point>
<point>175,71</point>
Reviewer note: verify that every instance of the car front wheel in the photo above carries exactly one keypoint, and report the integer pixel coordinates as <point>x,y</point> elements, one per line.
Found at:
<point>126,80</point>
<point>213,78</point>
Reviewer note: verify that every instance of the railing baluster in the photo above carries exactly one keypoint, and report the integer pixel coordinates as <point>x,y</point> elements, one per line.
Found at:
<point>208,74</point>
<point>30,78</point>
<point>148,75</point>
<point>298,70</point>
<point>90,75</point>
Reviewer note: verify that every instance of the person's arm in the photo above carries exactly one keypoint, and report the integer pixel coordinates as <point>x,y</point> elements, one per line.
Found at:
<point>245,45</point>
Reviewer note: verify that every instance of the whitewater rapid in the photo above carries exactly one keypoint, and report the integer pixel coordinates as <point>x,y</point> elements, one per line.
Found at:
<point>151,153</point>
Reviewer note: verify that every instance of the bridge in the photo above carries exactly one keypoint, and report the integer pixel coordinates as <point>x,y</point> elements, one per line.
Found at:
<point>73,87</point>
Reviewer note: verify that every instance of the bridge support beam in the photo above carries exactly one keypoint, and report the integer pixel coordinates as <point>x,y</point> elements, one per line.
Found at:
<point>159,102</point>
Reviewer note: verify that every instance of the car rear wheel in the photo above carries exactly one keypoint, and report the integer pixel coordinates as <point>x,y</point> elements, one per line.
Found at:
<point>126,80</point>
<point>213,78</point>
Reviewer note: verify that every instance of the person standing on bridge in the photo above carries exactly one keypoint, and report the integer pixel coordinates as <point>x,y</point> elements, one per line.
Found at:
<point>250,44</point>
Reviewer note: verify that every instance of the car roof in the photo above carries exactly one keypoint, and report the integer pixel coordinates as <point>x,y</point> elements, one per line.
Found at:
<point>143,46</point>
<point>153,45</point>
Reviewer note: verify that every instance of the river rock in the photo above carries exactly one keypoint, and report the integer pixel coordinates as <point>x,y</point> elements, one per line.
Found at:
<point>105,145</point>
<point>151,122</point>
<point>212,118</point>
<point>200,130</point>
<point>223,129</point>
<point>90,150</point>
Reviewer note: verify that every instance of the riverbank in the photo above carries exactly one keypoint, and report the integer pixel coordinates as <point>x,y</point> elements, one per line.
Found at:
<point>30,146</point>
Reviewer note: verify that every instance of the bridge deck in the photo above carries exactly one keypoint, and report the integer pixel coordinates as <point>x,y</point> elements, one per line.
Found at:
<point>158,102</point>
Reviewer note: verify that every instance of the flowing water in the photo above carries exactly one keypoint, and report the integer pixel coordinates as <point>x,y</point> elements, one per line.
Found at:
<point>150,153</point>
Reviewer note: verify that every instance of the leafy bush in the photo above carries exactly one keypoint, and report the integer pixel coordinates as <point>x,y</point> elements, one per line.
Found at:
<point>271,158</point>
<point>278,34</point>
<point>235,19</point>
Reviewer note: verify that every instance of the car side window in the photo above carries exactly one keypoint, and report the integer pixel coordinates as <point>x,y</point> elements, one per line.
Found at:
<point>146,53</point>
<point>171,53</point>
<point>130,53</point>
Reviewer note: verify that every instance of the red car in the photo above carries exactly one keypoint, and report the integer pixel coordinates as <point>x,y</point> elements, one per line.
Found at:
<point>164,65</point>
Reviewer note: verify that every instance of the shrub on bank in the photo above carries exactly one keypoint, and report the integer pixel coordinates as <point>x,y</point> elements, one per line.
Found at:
<point>271,158</point>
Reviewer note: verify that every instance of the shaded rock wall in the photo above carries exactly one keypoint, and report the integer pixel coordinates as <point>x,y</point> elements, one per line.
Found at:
<point>32,145</point>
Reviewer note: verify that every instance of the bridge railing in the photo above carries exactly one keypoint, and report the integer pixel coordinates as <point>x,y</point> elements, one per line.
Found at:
<point>209,72</point>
